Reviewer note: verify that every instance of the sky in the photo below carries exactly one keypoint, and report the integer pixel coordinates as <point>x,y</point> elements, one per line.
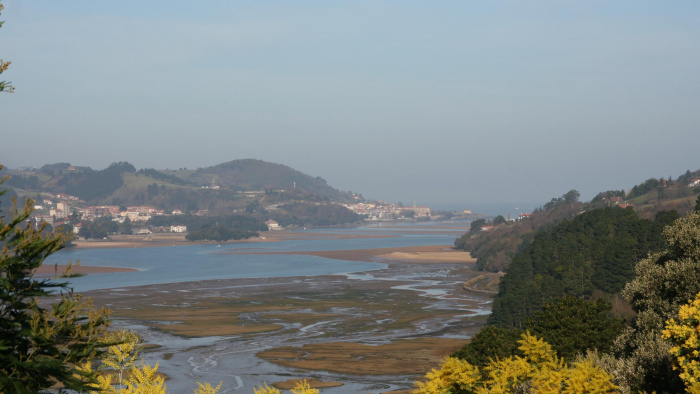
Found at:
<point>450,102</point>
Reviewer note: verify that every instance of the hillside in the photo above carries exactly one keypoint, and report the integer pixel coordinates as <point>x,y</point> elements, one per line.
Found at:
<point>219,189</point>
<point>495,249</point>
<point>596,251</point>
<point>258,175</point>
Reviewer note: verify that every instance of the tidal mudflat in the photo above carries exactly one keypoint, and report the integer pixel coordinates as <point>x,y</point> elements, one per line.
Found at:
<point>373,332</point>
<point>366,332</point>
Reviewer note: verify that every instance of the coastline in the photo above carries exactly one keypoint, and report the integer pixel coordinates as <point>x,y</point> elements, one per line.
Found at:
<point>159,240</point>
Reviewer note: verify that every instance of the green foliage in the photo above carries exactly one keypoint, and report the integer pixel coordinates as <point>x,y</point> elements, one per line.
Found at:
<point>251,175</point>
<point>196,223</point>
<point>56,168</point>
<point>99,228</point>
<point>664,282</point>
<point>644,188</point>
<point>597,250</point>
<point>573,325</point>
<point>569,198</point>
<point>313,214</point>
<point>6,195</point>
<point>494,250</point>
<point>30,182</point>
<point>602,196</point>
<point>4,85</point>
<point>220,234</point>
<point>253,206</point>
<point>90,185</point>
<point>40,345</point>
<point>476,225</point>
<point>155,174</point>
<point>492,342</point>
<point>214,228</point>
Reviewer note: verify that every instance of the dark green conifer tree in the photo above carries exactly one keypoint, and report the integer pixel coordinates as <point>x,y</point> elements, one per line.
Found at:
<point>41,346</point>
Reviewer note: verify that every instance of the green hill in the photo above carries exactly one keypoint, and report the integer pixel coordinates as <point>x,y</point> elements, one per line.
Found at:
<point>258,175</point>
<point>495,249</point>
<point>219,189</point>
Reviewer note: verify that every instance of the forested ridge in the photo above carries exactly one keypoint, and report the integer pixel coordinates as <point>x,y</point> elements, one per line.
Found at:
<point>495,249</point>
<point>601,289</point>
<point>596,251</point>
<point>552,298</point>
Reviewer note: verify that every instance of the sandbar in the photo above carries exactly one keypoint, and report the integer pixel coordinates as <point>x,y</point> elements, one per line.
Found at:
<point>422,254</point>
<point>58,269</point>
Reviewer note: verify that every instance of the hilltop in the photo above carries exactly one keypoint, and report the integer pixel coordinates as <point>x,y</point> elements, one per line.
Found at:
<point>218,189</point>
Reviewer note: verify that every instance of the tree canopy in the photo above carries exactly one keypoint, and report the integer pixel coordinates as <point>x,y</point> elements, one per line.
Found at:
<point>597,250</point>
<point>494,250</point>
<point>41,346</point>
<point>664,282</point>
<point>4,85</point>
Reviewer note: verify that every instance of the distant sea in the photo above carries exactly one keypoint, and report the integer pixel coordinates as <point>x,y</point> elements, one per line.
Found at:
<point>488,208</point>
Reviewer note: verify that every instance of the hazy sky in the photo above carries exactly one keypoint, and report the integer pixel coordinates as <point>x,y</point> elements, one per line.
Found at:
<point>449,101</point>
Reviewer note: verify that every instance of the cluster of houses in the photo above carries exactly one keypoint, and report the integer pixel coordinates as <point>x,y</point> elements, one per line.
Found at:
<point>386,211</point>
<point>60,213</point>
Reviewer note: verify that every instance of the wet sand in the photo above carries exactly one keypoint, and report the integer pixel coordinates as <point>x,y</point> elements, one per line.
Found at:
<point>424,254</point>
<point>57,269</point>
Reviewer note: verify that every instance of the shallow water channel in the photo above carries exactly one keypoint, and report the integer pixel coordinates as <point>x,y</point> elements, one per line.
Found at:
<point>252,319</point>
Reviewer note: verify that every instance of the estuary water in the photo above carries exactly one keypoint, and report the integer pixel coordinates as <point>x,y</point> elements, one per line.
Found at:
<point>364,304</point>
<point>184,263</point>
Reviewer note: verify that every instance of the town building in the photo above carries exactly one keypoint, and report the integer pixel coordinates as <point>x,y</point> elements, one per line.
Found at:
<point>178,229</point>
<point>273,225</point>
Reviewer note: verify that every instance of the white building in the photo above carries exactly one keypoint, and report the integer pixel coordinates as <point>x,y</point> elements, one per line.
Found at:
<point>273,225</point>
<point>178,229</point>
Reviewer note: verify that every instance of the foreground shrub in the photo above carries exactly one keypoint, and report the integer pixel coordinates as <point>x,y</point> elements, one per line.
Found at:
<point>539,371</point>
